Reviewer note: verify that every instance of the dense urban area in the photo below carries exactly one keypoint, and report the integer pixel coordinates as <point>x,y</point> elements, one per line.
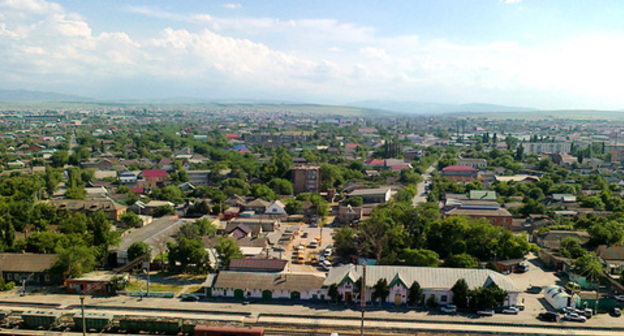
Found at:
<point>158,217</point>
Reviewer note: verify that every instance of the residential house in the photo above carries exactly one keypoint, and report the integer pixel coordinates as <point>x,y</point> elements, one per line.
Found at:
<point>258,206</point>
<point>519,178</point>
<point>277,209</point>
<point>152,178</point>
<point>258,225</point>
<point>141,208</point>
<point>462,174</point>
<point>547,147</point>
<point>473,163</point>
<point>127,177</point>
<point>110,208</point>
<point>613,258</point>
<point>265,286</point>
<point>95,283</point>
<point>35,269</point>
<point>434,281</point>
<point>198,177</point>
<point>105,174</point>
<point>550,245</point>
<point>375,195</point>
<point>491,211</point>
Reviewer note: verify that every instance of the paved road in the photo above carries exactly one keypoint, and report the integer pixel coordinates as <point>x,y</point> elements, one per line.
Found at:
<point>421,197</point>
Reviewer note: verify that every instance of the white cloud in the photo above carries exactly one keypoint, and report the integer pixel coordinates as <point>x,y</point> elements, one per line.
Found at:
<point>232,6</point>
<point>43,44</point>
<point>510,1</point>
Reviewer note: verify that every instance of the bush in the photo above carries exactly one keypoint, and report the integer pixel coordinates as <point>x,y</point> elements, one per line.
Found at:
<point>8,286</point>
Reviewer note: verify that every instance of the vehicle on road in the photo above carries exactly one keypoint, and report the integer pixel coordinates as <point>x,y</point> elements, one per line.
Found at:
<point>486,312</point>
<point>304,235</point>
<point>313,244</point>
<point>574,317</point>
<point>616,312</point>
<point>449,309</point>
<point>301,246</point>
<point>511,310</point>
<point>549,316</point>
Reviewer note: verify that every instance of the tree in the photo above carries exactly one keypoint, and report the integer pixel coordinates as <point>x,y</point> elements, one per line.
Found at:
<point>487,298</point>
<point>130,219</point>
<point>462,260</point>
<point>460,293</point>
<point>420,257</point>
<point>415,293</point>
<point>432,302</point>
<point>571,248</point>
<point>74,261</point>
<point>73,223</point>
<point>355,201</point>
<point>381,290</point>
<point>59,158</point>
<point>264,192</point>
<point>590,267</point>
<point>331,176</point>
<point>609,233</point>
<point>163,210</point>
<point>51,178</point>
<point>281,186</point>
<point>293,206</point>
<point>345,242</point>
<point>75,186</point>
<point>139,249</point>
<point>187,252</point>
<point>333,293</point>
<point>227,249</point>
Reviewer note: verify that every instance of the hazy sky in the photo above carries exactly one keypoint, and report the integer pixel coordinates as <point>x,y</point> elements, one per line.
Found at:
<point>534,53</point>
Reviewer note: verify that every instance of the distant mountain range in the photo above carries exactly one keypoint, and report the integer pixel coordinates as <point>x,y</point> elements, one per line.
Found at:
<point>25,96</point>
<point>434,108</point>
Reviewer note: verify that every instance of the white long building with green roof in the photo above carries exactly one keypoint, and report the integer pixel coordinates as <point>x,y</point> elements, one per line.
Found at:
<point>436,281</point>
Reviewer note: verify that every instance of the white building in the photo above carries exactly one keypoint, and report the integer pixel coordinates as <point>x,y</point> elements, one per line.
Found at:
<point>434,281</point>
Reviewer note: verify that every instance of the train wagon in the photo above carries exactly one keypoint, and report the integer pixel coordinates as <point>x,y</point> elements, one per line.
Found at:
<point>202,330</point>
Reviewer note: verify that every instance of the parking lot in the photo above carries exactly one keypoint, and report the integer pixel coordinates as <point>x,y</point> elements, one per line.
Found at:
<point>306,235</point>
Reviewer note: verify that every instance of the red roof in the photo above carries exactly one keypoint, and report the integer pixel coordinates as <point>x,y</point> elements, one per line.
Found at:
<point>375,162</point>
<point>137,190</point>
<point>459,168</point>
<point>154,173</point>
<point>232,136</point>
<point>401,167</point>
<point>244,150</point>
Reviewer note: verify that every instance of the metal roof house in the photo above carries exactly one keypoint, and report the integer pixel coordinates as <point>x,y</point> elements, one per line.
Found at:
<point>434,281</point>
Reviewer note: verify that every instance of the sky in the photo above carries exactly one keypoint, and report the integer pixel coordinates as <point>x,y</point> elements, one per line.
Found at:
<point>529,53</point>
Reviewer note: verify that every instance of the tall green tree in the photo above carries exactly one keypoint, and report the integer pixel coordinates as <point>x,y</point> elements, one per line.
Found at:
<point>460,293</point>
<point>415,293</point>
<point>381,290</point>
<point>52,178</point>
<point>227,249</point>
<point>139,249</point>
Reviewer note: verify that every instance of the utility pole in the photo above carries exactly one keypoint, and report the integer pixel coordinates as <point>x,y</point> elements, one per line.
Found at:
<point>84,321</point>
<point>363,298</point>
<point>148,278</point>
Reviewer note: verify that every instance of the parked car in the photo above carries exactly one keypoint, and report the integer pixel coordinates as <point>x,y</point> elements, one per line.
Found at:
<point>449,309</point>
<point>573,287</point>
<point>190,298</point>
<point>574,317</point>
<point>534,290</point>
<point>511,310</point>
<point>326,264</point>
<point>549,316</point>
<point>304,235</point>
<point>523,267</point>
<point>616,312</point>
<point>486,312</point>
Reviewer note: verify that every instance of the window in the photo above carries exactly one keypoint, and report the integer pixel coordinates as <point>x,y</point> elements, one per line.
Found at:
<point>443,298</point>
<point>47,278</point>
<point>9,276</point>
